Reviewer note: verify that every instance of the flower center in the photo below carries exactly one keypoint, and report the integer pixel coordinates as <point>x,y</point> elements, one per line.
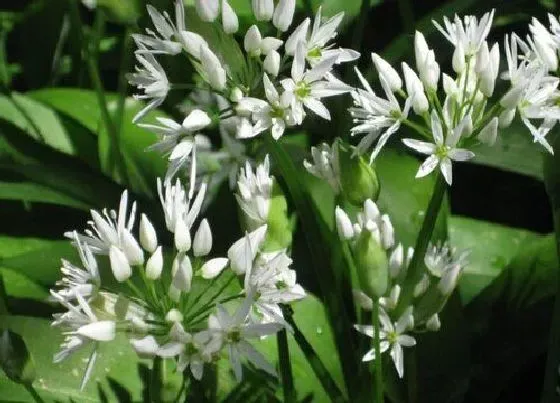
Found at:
<point>441,151</point>
<point>277,112</point>
<point>234,336</point>
<point>314,53</point>
<point>303,90</point>
<point>392,337</point>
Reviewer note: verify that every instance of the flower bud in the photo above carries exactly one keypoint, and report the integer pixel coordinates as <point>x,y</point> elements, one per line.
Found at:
<point>236,95</point>
<point>386,71</point>
<point>284,14</point>
<point>449,279</point>
<point>131,249</point>
<point>145,347</point>
<point>230,21</point>
<point>358,180</point>
<point>512,98</point>
<point>458,60</point>
<point>252,41</point>
<point>421,287</point>
<point>396,261</point>
<point>192,42</point>
<point>182,273</point>
<point>433,324</point>
<point>207,10</point>
<point>387,232</point>
<point>547,54</point>
<point>343,224</point>
<point>119,264</point>
<point>148,236</point>
<point>237,253</point>
<point>174,316</point>
<point>489,134</point>
<point>299,35</point>
<point>506,117</point>
<point>482,58</point>
<point>215,73</point>
<point>202,244</point>
<point>362,300</point>
<point>272,63</point>
<point>213,267</point>
<point>415,89</point>
<point>103,330</point>
<point>182,236</point>
<point>154,266</point>
<point>372,265</point>
<point>426,62</point>
<point>450,86</point>
<point>263,9</point>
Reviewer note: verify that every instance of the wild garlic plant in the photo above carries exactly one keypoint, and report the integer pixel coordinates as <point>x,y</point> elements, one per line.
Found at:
<point>179,301</point>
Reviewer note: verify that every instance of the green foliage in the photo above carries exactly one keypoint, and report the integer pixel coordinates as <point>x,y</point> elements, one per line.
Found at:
<point>15,360</point>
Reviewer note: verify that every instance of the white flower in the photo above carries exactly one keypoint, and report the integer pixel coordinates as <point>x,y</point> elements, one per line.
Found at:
<point>387,72</point>
<point>167,33</point>
<point>284,14</point>
<point>202,244</point>
<point>207,10</point>
<point>82,327</point>
<point>489,133</point>
<point>113,229</point>
<point>309,87</point>
<point>415,90</point>
<point>263,9</point>
<point>468,32</point>
<point>243,252</point>
<point>177,210</point>
<point>255,192</point>
<point>256,45</point>
<point>77,280</point>
<point>426,62</point>
<point>213,72</point>
<point>119,264</point>
<point>276,114</point>
<point>544,45</point>
<point>442,152</point>
<point>154,265</point>
<point>230,22</point>
<point>325,165</point>
<point>148,235</point>
<point>235,330</point>
<point>152,80</point>
<point>376,117</point>
<point>271,63</point>
<point>392,337</point>
<point>317,47</point>
<point>343,224</point>
<point>213,267</point>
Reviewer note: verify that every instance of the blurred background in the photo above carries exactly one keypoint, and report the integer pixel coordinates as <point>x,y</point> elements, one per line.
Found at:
<point>56,160</point>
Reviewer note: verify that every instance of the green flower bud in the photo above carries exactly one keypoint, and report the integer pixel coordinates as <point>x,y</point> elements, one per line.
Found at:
<point>358,179</point>
<point>372,265</point>
<point>280,224</point>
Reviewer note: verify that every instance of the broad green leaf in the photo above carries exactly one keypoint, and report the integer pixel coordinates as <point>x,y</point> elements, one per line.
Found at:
<point>20,286</point>
<point>491,248</point>
<point>116,362</point>
<point>33,192</point>
<point>15,360</point>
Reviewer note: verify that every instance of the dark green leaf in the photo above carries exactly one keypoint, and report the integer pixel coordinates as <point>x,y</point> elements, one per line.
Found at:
<point>15,359</point>
<point>33,192</point>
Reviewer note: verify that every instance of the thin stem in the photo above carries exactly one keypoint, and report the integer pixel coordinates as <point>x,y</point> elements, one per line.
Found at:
<point>123,82</point>
<point>414,272</point>
<point>34,393</point>
<point>216,295</point>
<point>378,358</point>
<point>313,359</point>
<point>286,367</point>
<point>155,380</point>
<point>417,128</point>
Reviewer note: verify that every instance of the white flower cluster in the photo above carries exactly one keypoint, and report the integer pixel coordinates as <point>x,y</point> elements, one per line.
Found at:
<point>172,301</point>
<point>444,266</point>
<point>284,76</point>
<point>450,128</point>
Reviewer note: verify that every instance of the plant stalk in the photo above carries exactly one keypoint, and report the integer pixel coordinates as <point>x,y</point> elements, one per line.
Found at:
<point>378,358</point>
<point>286,367</point>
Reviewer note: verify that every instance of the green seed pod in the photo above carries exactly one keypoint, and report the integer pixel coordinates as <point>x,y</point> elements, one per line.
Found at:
<point>372,265</point>
<point>358,179</point>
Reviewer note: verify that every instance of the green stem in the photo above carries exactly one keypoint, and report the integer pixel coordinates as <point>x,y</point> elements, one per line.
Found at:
<point>313,359</point>
<point>154,388</point>
<point>411,376</point>
<point>418,128</point>
<point>126,54</point>
<point>33,393</point>
<point>286,367</point>
<point>378,358</point>
<point>414,272</point>
<point>552,183</point>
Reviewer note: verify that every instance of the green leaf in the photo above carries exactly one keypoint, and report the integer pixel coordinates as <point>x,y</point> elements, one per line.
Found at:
<point>33,192</point>
<point>115,366</point>
<point>15,360</point>
<point>20,286</point>
<point>491,249</point>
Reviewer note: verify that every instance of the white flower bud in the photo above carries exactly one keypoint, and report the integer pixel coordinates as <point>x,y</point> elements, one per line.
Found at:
<point>230,21</point>
<point>148,236</point>
<point>396,261</point>
<point>426,62</point>
<point>506,117</point>
<point>263,9</point>
<point>387,232</point>
<point>512,97</point>
<point>449,86</point>
<point>449,280</point>
<point>131,249</point>
<point>119,264</point>
<point>182,236</point>
<point>433,324</point>
<point>415,89</point>
<point>284,14</point>
<point>215,73</point>
<point>458,60</point>
<point>272,63</point>
<point>202,244</point>
<point>213,267</point>
<point>269,44</point>
<point>343,224</point>
<point>154,266</point>
<point>547,54</point>
<point>489,134</point>
<point>362,300</point>
<point>174,293</point>
<point>145,347</point>
<point>174,316</point>
<point>103,330</point>
<point>482,58</point>
<point>252,41</point>
<point>182,273</point>
<point>250,243</point>
<point>386,71</point>
<point>236,95</point>
<point>192,42</point>
<point>421,287</point>
<point>371,211</point>
<point>207,10</point>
